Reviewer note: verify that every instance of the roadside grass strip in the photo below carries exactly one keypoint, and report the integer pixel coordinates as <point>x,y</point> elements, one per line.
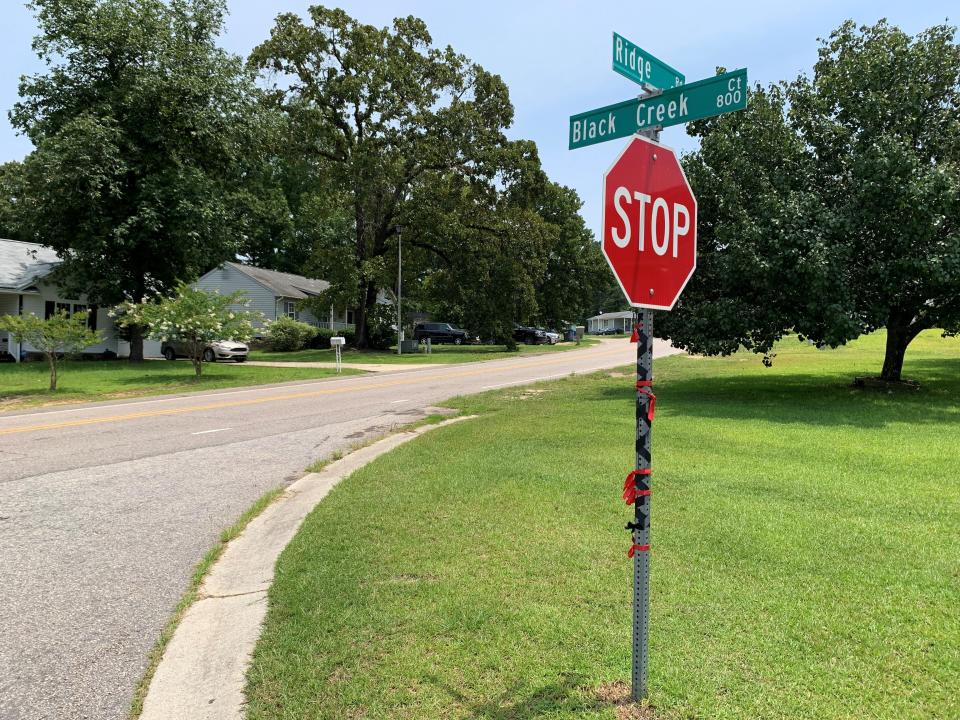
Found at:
<point>25,385</point>
<point>192,593</point>
<point>805,553</point>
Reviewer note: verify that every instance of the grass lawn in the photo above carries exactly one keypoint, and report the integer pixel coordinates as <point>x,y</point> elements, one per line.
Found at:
<point>806,553</point>
<point>25,385</point>
<point>440,354</point>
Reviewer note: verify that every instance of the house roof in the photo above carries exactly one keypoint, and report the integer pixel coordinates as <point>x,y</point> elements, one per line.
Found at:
<point>23,263</point>
<point>287,285</point>
<point>623,315</point>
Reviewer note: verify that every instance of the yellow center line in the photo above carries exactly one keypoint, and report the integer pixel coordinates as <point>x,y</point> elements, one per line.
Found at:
<point>408,380</point>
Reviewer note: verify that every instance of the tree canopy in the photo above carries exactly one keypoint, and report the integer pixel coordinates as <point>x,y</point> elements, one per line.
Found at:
<point>146,145</point>
<point>390,132</point>
<point>831,206</point>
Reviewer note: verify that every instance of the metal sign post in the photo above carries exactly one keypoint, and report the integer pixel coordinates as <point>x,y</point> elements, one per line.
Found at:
<point>640,527</point>
<point>641,491</point>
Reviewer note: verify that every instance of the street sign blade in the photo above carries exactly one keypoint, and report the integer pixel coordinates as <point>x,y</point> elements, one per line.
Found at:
<point>635,63</point>
<point>704,98</point>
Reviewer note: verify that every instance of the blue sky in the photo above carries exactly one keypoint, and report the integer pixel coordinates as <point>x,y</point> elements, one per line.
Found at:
<point>555,56</point>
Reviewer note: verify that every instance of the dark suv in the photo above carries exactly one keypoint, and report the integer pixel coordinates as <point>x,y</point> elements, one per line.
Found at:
<point>529,335</point>
<point>440,333</point>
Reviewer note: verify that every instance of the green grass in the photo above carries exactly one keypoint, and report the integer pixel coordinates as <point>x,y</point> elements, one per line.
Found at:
<point>441,354</point>
<point>806,553</point>
<point>192,593</point>
<point>25,385</point>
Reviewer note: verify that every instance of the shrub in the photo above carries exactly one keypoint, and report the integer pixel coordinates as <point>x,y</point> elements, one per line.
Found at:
<point>288,335</point>
<point>321,341</point>
<point>381,327</point>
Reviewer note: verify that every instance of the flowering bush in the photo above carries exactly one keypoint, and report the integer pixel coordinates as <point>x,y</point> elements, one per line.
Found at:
<point>192,318</point>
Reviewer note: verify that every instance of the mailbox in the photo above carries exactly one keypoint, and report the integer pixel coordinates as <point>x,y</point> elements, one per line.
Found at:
<point>336,341</point>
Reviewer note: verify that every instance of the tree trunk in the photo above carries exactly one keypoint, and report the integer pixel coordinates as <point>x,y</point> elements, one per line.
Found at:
<point>52,359</point>
<point>196,356</point>
<point>136,344</point>
<point>368,302</point>
<point>899,335</point>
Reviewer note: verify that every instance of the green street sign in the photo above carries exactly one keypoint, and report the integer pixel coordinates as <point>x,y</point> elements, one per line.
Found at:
<point>711,96</point>
<point>633,62</point>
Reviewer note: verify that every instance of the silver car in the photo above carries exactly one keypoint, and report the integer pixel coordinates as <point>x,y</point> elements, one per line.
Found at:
<point>217,350</point>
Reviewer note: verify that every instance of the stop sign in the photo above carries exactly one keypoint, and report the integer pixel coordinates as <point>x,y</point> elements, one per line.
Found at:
<point>649,224</point>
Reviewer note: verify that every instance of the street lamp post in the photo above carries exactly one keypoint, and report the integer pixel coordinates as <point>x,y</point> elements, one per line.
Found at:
<point>399,290</point>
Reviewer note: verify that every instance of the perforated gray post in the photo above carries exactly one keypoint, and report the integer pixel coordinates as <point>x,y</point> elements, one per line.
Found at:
<point>641,523</point>
<point>641,506</point>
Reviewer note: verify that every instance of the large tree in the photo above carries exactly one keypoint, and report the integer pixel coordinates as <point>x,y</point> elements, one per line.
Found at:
<point>145,134</point>
<point>831,206</point>
<point>373,111</point>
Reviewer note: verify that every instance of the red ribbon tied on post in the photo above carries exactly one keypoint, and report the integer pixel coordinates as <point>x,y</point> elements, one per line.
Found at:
<point>630,492</point>
<point>643,387</point>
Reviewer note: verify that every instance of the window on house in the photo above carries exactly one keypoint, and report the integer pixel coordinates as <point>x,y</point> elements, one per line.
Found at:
<point>49,308</point>
<point>349,317</point>
<point>91,314</point>
<point>290,309</point>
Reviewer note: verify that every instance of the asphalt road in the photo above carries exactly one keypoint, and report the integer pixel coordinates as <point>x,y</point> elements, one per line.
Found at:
<point>106,508</point>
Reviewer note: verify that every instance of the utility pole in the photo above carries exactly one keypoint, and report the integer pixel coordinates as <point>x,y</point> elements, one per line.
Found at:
<point>399,289</point>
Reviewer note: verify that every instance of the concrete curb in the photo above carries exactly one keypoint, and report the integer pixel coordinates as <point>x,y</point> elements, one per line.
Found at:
<point>203,672</point>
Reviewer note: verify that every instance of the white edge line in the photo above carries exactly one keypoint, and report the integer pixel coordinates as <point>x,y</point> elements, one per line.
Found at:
<point>204,432</point>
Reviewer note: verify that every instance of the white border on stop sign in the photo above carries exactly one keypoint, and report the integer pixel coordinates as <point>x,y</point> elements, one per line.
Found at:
<point>603,223</point>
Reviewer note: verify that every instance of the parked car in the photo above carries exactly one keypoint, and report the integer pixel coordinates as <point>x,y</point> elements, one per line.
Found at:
<point>218,350</point>
<point>553,337</point>
<point>529,335</point>
<point>608,331</point>
<point>441,333</point>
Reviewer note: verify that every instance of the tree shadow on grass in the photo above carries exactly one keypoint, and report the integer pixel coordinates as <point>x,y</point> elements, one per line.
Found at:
<point>825,399</point>
<point>571,692</point>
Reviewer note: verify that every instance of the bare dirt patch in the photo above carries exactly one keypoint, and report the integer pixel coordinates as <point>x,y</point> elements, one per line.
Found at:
<point>617,693</point>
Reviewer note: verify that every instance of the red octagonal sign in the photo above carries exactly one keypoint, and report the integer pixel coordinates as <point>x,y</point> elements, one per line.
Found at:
<point>649,224</point>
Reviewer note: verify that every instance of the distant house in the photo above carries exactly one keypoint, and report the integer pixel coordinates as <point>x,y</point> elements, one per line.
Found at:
<point>619,321</point>
<point>275,294</point>
<point>26,288</point>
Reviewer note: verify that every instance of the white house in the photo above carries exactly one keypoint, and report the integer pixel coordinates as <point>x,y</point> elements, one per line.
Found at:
<point>621,322</point>
<point>25,288</point>
<point>274,294</point>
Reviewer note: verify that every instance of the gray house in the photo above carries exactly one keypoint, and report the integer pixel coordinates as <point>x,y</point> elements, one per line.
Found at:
<point>275,294</point>
<point>621,322</point>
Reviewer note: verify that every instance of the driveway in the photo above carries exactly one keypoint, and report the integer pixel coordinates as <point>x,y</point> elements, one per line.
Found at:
<point>106,508</point>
